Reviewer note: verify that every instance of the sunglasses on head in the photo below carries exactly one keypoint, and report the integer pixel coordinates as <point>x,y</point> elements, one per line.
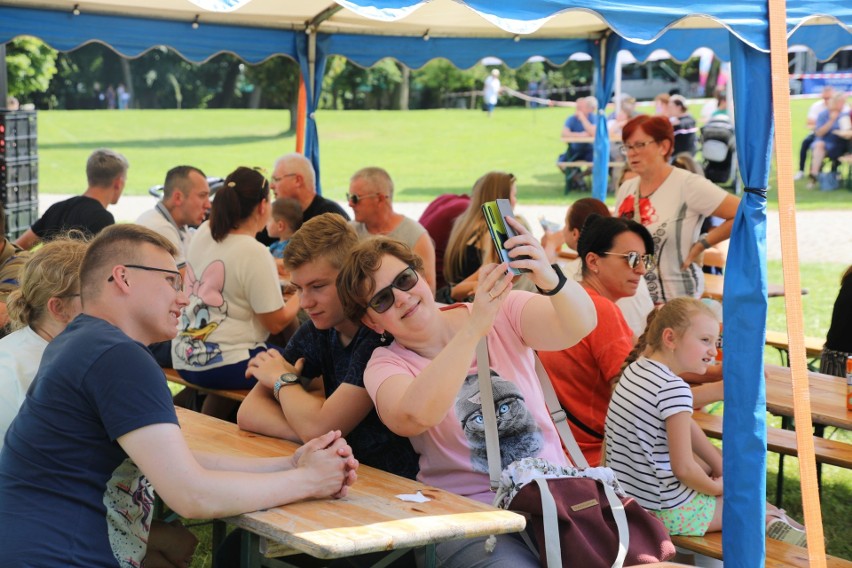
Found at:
<point>633,258</point>
<point>383,299</point>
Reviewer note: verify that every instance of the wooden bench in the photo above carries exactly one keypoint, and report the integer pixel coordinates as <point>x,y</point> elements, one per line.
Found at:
<point>781,441</point>
<point>778,554</point>
<point>582,165</point>
<point>237,394</point>
<point>780,341</point>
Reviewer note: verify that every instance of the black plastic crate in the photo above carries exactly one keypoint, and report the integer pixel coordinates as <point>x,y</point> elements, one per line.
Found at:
<point>18,148</point>
<point>19,193</point>
<point>18,124</point>
<point>19,218</point>
<point>18,171</point>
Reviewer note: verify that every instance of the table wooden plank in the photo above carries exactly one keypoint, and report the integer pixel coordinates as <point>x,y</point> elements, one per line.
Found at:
<point>832,452</point>
<point>827,396</point>
<point>369,519</point>
<point>714,287</point>
<point>779,340</point>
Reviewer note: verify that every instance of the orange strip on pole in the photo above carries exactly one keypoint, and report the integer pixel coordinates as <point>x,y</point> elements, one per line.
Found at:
<point>301,116</point>
<point>792,284</point>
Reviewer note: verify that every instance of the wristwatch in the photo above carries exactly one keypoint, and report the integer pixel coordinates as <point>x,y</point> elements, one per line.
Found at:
<point>559,285</point>
<point>284,380</point>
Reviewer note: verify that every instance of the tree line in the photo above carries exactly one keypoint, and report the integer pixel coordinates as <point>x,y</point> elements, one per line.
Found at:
<point>161,78</point>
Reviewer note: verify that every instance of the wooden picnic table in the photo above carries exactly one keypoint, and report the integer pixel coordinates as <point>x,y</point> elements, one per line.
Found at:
<point>827,393</point>
<point>714,287</point>
<point>370,519</point>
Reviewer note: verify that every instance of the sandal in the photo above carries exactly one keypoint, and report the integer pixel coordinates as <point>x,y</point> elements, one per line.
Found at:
<point>780,527</point>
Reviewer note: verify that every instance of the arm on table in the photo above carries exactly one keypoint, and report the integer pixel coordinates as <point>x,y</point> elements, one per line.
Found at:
<point>309,414</point>
<point>261,413</point>
<point>221,486</point>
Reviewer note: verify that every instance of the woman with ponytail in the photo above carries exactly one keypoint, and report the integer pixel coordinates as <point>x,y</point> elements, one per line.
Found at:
<point>235,299</point>
<point>615,254</point>
<point>46,301</point>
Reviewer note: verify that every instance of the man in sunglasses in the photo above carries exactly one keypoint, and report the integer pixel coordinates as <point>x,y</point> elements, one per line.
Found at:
<point>371,198</point>
<point>98,431</point>
<point>318,383</point>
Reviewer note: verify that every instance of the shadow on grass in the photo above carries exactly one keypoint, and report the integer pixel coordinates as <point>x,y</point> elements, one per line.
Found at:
<point>167,142</point>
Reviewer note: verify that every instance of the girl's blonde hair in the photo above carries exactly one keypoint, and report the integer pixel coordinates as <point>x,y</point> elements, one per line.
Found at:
<point>677,314</point>
<point>53,271</point>
<point>470,225</point>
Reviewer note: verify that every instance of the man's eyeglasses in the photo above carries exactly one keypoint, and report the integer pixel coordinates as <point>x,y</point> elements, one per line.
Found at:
<point>354,199</point>
<point>638,146</point>
<point>383,299</point>
<point>276,179</point>
<point>634,257</point>
<point>174,279</point>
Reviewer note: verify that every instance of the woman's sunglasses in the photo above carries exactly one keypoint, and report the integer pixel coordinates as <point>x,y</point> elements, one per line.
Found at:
<point>383,299</point>
<point>634,257</point>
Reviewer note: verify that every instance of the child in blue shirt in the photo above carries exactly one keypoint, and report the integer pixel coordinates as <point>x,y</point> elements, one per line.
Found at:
<point>285,219</point>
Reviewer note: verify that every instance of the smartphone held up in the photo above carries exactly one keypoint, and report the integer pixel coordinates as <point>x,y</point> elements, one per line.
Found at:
<point>495,218</point>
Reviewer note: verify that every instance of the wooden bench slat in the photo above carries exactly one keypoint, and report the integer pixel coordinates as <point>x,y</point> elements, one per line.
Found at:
<point>584,164</point>
<point>236,394</point>
<point>780,441</point>
<point>779,340</point>
<point>778,554</point>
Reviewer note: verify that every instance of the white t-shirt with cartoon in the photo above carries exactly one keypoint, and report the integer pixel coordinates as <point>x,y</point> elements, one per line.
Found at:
<point>452,453</point>
<point>673,214</point>
<point>228,284</point>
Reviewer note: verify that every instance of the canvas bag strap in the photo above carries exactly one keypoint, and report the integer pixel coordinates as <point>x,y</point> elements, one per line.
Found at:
<point>560,420</point>
<point>489,417</point>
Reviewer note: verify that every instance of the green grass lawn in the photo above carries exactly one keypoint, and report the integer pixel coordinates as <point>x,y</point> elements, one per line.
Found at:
<point>427,152</point>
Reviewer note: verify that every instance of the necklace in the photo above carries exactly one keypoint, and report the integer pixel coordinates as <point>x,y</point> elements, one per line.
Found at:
<point>43,334</point>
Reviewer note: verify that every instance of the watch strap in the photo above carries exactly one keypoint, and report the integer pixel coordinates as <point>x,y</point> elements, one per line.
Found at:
<point>559,285</point>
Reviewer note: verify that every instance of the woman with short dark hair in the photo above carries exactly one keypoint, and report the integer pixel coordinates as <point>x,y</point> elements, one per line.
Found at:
<point>615,256</point>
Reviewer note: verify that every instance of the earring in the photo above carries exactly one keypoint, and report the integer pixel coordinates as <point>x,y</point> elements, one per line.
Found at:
<point>383,338</point>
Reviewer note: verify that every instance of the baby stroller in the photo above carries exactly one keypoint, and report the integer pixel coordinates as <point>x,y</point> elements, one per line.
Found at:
<point>718,146</point>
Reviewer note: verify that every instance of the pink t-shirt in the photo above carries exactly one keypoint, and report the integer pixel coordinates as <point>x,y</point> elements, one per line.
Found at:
<point>452,454</point>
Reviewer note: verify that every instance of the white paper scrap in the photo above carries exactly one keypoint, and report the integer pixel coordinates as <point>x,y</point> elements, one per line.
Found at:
<point>413,497</point>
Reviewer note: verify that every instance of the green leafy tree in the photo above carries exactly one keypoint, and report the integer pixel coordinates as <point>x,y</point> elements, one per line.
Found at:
<point>434,82</point>
<point>354,87</point>
<point>31,64</point>
<point>277,79</point>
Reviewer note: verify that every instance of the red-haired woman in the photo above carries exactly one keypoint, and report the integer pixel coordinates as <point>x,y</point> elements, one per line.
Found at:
<point>672,203</point>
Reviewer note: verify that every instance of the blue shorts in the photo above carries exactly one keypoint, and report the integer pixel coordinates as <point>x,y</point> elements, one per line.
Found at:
<point>230,377</point>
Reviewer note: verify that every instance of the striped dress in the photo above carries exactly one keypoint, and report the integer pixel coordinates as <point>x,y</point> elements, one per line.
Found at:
<point>636,442</point>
